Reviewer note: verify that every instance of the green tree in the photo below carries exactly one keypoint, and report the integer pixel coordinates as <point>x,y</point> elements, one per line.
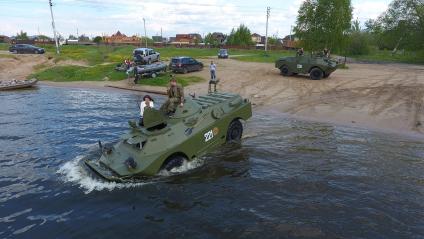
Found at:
<point>401,26</point>
<point>324,24</point>
<point>72,37</point>
<point>358,41</point>
<point>97,39</point>
<point>211,40</point>
<point>240,37</point>
<point>22,35</point>
<point>273,40</point>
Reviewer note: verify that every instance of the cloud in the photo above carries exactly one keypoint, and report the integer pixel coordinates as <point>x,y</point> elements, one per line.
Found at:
<point>97,17</point>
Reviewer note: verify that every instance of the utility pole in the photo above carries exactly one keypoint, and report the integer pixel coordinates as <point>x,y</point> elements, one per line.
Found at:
<point>291,28</point>
<point>161,36</point>
<point>268,10</point>
<point>145,33</point>
<point>54,28</point>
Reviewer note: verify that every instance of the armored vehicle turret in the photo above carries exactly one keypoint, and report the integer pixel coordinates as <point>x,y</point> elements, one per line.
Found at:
<point>165,142</point>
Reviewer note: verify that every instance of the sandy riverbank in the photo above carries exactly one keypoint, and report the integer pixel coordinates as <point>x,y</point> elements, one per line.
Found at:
<point>383,96</point>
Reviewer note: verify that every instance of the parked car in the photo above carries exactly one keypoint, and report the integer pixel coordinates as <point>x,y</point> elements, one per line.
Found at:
<point>185,64</point>
<point>223,53</point>
<point>26,48</point>
<point>145,56</point>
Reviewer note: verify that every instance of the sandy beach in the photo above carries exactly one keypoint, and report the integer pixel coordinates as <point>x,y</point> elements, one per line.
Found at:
<point>381,96</point>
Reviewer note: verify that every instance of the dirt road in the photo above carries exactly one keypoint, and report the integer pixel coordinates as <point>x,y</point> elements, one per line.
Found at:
<point>388,96</point>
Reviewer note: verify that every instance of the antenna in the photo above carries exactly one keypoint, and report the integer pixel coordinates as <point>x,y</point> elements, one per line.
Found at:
<point>54,28</point>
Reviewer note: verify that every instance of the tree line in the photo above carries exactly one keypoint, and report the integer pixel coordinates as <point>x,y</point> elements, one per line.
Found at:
<point>329,24</point>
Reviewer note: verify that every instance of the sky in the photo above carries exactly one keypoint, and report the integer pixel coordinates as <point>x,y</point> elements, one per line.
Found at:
<point>105,17</point>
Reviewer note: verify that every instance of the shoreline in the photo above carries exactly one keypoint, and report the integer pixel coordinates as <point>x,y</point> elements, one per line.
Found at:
<point>367,123</point>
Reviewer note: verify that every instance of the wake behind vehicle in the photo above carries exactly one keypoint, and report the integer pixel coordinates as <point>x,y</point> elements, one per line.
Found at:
<point>166,142</point>
<point>223,53</point>
<point>26,48</point>
<point>185,64</point>
<point>316,66</point>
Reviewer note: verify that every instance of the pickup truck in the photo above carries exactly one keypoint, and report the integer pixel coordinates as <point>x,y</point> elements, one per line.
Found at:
<point>145,56</point>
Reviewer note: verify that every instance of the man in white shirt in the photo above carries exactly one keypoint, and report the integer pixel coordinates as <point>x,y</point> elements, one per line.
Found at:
<point>147,102</point>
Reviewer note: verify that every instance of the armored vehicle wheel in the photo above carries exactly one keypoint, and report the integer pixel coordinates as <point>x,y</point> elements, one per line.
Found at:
<point>235,131</point>
<point>285,71</point>
<point>174,161</point>
<point>316,74</point>
<point>185,71</point>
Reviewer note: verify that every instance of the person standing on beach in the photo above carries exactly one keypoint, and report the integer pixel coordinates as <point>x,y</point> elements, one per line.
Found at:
<point>213,81</point>
<point>212,68</point>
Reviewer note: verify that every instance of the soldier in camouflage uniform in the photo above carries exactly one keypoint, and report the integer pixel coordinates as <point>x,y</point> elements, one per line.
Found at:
<point>175,97</point>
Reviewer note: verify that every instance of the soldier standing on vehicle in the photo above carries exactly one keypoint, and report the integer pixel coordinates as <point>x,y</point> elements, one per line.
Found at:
<point>326,52</point>
<point>300,52</point>
<point>175,97</point>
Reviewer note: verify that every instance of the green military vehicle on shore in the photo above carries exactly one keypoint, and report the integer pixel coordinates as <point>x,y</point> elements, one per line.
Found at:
<point>316,66</point>
<point>166,142</point>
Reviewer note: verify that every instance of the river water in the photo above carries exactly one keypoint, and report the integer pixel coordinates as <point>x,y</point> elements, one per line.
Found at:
<point>288,178</point>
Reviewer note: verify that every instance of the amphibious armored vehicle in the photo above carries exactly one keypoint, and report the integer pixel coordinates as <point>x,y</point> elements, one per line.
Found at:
<point>316,66</point>
<point>165,142</point>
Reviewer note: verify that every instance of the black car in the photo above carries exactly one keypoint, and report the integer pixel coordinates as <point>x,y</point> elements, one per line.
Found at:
<point>26,48</point>
<point>223,53</point>
<point>185,64</point>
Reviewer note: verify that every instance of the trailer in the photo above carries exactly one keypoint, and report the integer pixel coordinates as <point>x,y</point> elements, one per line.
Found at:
<point>151,70</point>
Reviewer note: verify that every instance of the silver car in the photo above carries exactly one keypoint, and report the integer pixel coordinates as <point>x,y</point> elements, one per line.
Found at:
<point>145,55</point>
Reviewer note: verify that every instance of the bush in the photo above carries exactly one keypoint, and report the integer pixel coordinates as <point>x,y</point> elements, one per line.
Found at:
<point>358,44</point>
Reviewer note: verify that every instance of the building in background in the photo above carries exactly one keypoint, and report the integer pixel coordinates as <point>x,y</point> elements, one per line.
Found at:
<point>4,39</point>
<point>120,38</point>
<point>290,41</point>
<point>256,38</point>
<point>187,39</point>
<point>219,37</point>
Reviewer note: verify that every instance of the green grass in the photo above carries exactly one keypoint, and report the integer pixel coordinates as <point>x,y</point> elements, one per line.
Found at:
<point>386,56</point>
<point>79,73</point>
<point>163,80</point>
<point>100,54</point>
<point>4,46</point>
<point>8,56</point>
<point>261,56</point>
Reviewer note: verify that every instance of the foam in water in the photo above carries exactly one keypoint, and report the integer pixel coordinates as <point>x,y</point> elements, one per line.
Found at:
<point>74,173</point>
<point>186,166</point>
